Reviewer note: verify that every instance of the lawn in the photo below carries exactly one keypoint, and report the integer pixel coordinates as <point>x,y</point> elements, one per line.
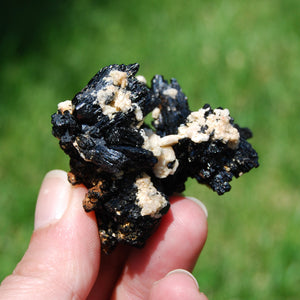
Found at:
<point>241,55</point>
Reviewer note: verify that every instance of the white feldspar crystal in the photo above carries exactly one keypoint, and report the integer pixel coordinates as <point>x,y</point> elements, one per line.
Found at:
<point>117,78</point>
<point>162,151</point>
<point>215,126</point>
<point>171,92</point>
<point>155,113</point>
<point>115,98</point>
<point>149,199</point>
<point>65,106</point>
<point>141,78</point>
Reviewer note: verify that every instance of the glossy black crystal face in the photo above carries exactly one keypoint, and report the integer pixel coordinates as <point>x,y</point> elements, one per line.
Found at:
<point>131,168</point>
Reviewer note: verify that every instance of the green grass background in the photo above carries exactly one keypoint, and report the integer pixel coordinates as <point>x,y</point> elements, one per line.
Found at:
<point>243,55</point>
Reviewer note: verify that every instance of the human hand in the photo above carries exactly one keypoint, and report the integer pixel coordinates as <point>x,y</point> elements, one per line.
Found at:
<point>63,257</point>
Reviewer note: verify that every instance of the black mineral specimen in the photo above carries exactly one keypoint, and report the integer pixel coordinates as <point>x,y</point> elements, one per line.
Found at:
<point>131,168</point>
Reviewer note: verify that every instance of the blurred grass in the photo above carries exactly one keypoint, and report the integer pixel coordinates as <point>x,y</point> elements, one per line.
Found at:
<point>244,56</point>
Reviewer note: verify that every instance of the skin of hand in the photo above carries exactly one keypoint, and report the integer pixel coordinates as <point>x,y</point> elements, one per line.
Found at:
<point>64,261</point>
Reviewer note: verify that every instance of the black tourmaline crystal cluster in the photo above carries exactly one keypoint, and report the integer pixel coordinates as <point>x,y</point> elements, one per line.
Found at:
<point>131,168</point>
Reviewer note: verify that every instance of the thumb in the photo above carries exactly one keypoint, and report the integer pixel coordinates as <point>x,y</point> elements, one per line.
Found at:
<point>62,260</point>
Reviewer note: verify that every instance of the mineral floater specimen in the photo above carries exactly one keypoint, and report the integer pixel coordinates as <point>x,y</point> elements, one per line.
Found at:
<point>131,168</point>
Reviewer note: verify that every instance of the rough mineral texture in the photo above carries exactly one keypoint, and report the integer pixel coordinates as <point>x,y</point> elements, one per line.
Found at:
<point>131,168</point>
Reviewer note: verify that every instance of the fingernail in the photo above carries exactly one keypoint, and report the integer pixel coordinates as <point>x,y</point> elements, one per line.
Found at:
<point>182,271</point>
<point>200,204</point>
<point>53,199</point>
